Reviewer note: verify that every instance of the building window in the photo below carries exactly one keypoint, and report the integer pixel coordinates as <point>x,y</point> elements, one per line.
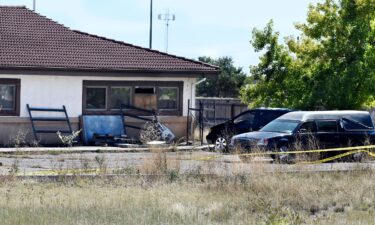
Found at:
<point>120,96</point>
<point>96,98</point>
<point>144,90</point>
<point>106,97</point>
<point>9,97</point>
<point>145,97</point>
<point>168,98</point>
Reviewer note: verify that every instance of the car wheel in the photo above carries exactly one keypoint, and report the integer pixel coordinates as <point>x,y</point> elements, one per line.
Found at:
<point>221,144</point>
<point>284,158</point>
<point>358,157</point>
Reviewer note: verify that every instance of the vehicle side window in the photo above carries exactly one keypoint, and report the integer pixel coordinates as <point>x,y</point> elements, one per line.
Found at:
<point>353,123</point>
<point>308,127</point>
<point>362,119</point>
<point>266,117</point>
<point>327,125</point>
<point>248,117</point>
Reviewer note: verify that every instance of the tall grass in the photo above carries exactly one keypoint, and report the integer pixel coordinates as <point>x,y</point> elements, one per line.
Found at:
<point>269,198</point>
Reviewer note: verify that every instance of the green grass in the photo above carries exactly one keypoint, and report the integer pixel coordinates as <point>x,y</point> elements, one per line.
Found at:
<point>321,198</point>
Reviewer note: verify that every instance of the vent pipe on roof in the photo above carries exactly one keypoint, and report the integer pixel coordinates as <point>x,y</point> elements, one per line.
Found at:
<point>193,90</point>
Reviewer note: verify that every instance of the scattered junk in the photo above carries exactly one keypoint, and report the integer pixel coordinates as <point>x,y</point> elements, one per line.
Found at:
<point>104,130</point>
<point>152,130</point>
<point>110,130</point>
<point>56,116</point>
<point>155,132</point>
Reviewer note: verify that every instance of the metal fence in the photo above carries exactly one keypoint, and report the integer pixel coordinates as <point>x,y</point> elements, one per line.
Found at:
<point>218,110</point>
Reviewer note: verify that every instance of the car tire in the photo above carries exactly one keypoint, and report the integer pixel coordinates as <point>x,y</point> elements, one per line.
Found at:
<point>221,144</point>
<point>284,158</point>
<point>358,157</point>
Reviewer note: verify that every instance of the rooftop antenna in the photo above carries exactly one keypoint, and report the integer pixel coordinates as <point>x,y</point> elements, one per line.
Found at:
<point>34,2</point>
<point>167,17</point>
<point>150,24</point>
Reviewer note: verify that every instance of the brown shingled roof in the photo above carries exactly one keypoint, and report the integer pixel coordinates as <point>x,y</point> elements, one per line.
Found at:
<point>31,41</point>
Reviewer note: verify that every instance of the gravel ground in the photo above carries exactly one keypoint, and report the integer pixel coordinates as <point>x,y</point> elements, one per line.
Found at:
<point>184,162</point>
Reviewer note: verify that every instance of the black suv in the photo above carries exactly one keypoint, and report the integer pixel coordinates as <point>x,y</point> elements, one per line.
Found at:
<point>250,120</point>
<point>329,129</point>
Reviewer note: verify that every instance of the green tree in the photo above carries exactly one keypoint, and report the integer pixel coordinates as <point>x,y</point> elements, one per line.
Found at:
<point>330,66</point>
<point>274,81</point>
<point>227,84</point>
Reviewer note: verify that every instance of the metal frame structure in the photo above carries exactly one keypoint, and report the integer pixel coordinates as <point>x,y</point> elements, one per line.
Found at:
<point>33,119</point>
<point>200,121</point>
<point>132,115</point>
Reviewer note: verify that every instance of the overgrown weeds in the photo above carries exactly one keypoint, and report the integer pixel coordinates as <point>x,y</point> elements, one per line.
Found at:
<point>161,165</point>
<point>269,198</point>
<point>23,139</point>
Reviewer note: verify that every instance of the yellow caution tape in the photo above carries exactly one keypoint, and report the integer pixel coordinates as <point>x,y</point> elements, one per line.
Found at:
<point>63,172</point>
<point>338,157</point>
<point>350,151</point>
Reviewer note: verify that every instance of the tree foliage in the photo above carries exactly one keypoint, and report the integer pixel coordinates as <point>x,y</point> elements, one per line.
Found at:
<point>330,66</point>
<point>227,84</point>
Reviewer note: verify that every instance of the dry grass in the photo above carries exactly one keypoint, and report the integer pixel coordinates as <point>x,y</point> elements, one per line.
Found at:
<point>166,196</point>
<point>319,198</point>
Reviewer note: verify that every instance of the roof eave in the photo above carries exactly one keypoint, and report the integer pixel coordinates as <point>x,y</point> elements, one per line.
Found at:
<point>104,71</point>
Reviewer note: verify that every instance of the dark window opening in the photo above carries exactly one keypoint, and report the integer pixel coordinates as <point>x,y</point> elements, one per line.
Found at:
<point>144,90</point>
<point>96,98</point>
<point>9,97</point>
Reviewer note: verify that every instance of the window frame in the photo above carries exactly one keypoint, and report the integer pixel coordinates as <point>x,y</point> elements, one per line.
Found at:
<point>158,94</point>
<point>315,127</point>
<point>106,98</point>
<point>327,120</point>
<point>17,84</point>
<point>133,84</point>
<point>110,104</point>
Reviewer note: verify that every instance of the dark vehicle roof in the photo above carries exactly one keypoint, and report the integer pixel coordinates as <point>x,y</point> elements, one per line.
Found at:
<point>310,115</point>
<point>273,109</point>
<point>265,109</point>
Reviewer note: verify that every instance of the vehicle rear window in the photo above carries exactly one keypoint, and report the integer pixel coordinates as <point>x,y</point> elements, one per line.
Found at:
<point>357,122</point>
<point>248,117</point>
<point>327,125</point>
<point>268,116</point>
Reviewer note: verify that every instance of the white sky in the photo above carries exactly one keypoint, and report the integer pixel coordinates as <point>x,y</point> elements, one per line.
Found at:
<point>213,28</point>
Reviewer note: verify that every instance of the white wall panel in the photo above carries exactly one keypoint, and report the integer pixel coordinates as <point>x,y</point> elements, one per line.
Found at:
<point>55,91</point>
